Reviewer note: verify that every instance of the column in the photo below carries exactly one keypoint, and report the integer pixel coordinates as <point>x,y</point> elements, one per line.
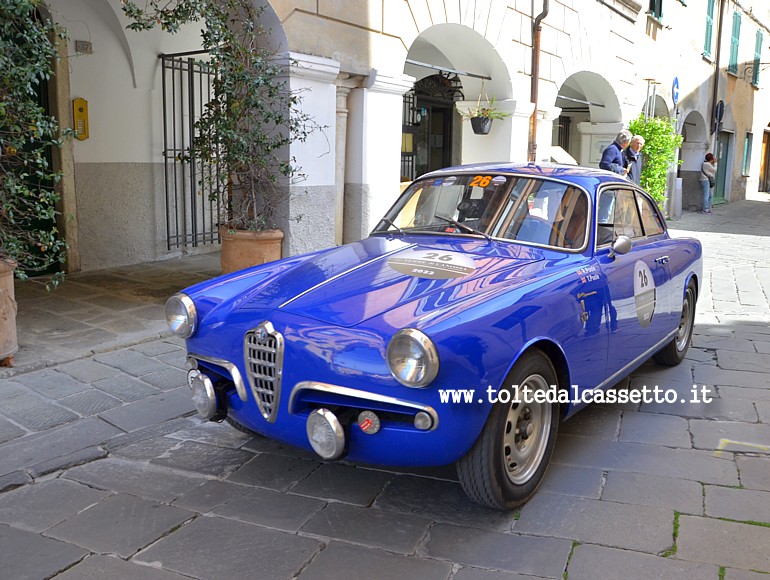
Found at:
<point>373,160</point>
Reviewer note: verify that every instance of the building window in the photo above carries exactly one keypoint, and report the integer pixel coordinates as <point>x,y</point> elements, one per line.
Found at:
<point>747,153</point>
<point>757,58</point>
<point>656,9</point>
<point>709,28</point>
<point>734,41</point>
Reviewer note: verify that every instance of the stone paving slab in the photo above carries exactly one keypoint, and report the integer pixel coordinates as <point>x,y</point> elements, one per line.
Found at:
<point>107,567</point>
<point>598,522</point>
<point>723,543</point>
<point>390,531</point>
<point>121,524</point>
<point>210,494</point>
<point>590,562</point>
<point>29,556</point>
<point>737,504</point>
<point>654,429</point>
<point>241,551</point>
<point>151,410</point>
<point>680,495</point>
<point>340,560</point>
<point>571,480</point>
<point>274,471</point>
<point>38,507</point>
<point>731,436</point>
<point>139,479</point>
<point>52,383</point>
<point>203,459</point>
<point>755,472</point>
<point>691,464</point>
<point>537,556</point>
<point>39,447</point>
<point>271,509</point>
<point>36,413</point>
<point>469,573</point>
<point>441,501</point>
<point>344,483</point>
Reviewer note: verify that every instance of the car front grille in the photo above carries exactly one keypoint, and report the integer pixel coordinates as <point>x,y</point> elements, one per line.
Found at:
<point>263,350</point>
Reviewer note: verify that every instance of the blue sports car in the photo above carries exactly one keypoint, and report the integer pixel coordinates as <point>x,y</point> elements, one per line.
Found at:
<point>491,302</point>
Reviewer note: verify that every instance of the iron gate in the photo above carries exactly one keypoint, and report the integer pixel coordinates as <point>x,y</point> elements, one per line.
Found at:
<point>191,217</point>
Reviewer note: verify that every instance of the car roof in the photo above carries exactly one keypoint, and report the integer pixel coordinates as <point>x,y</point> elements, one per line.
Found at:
<point>588,177</point>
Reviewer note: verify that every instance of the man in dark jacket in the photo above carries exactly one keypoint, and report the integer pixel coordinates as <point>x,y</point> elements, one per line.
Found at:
<point>612,156</point>
<point>633,158</point>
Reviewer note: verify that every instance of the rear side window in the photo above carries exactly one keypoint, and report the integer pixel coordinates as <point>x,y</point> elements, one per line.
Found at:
<point>617,216</point>
<point>651,221</point>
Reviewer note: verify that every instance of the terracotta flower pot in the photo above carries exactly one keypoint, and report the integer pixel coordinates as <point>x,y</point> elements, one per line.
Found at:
<point>242,248</point>
<point>8,341</point>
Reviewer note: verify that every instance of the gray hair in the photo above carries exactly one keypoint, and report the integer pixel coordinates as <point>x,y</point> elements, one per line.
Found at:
<point>624,136</point>
<point>638,138</point>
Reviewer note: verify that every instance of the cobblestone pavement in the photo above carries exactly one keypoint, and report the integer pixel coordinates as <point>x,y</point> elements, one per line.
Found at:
<point>105,472</point>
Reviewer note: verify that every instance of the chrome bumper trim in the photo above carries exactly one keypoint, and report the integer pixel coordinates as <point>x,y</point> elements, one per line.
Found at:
<point>240,386</point>
<point>358,394</point>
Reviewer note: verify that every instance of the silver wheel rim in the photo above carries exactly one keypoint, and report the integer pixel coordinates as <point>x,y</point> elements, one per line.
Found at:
<point>525,435</point>
<point>685,324</point>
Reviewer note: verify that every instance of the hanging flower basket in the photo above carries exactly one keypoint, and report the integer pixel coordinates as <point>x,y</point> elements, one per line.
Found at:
<point>481,125</point>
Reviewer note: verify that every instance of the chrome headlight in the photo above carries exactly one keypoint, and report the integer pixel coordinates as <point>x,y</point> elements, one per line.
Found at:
<point>412,358</point>
<point>181,315</point>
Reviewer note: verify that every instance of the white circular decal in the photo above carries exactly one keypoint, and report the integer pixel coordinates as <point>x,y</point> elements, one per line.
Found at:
<point>644,293</point>
<point>433,264</point>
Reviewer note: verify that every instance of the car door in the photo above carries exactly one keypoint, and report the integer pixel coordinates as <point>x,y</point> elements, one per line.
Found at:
<point>638,308</point>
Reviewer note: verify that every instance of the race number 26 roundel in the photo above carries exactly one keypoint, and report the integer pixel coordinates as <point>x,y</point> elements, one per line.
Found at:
<point>436,265</point>
<point>644,293</point>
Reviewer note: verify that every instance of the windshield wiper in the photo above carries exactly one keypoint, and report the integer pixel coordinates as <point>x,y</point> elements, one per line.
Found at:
<point>467,228</point>
<point>391,223</point>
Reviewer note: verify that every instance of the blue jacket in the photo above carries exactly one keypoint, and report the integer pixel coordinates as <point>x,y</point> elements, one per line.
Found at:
<point>612,158</point>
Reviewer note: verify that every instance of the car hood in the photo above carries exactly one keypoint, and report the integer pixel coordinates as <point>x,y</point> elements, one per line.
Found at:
<point>350,284</point>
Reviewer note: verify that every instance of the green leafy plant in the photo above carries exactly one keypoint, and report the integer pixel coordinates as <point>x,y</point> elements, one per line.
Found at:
<point>660,144</point>
<point>252,118</point>
<point>28,233</point>
<point>487,110</point>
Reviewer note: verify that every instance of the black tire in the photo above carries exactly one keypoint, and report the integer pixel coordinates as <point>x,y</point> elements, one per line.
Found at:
<point>238,427</point>
<point>674,352</point>
<point>503,469</point>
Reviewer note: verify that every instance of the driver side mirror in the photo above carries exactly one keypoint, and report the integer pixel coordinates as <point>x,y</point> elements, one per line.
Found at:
<point>622,245</point>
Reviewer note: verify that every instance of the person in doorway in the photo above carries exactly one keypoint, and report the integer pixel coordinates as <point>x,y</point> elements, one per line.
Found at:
<point>612,156</point>
<point>708,177</point>
<point>632,155</point>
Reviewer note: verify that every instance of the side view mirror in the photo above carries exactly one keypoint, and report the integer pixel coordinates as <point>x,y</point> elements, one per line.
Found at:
<point>622,245</point>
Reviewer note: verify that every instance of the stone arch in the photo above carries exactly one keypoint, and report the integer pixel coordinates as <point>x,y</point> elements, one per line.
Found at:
<point>475,67</point>
<point>590,116</point>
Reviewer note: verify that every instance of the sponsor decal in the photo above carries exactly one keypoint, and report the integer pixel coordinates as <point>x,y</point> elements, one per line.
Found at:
<point>435,265</point>
<point>644,293</point>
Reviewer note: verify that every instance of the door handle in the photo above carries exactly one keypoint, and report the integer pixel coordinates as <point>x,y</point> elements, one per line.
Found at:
<point>661,260</point>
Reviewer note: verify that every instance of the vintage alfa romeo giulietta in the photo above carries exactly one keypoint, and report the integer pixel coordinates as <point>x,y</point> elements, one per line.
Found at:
<point>478,314</point>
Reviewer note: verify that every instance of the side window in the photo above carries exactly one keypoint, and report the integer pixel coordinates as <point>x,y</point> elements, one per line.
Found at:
<point>626,220</point>
<point>617,216</point>
<point>650,218</point>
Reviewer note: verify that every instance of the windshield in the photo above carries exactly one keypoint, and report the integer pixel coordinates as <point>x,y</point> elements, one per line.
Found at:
<point>524,209</point>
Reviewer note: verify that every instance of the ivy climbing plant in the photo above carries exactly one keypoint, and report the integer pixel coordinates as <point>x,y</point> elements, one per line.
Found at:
<point>28,234</point>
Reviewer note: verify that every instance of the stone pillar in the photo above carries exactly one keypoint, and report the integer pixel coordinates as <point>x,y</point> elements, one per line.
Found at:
<point>373,160</point>
<point>344,85</point>
<point>307,217</point>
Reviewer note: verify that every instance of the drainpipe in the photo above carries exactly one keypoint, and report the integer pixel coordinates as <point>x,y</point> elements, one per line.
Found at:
<point>715,91</point>
<point>536,29</point>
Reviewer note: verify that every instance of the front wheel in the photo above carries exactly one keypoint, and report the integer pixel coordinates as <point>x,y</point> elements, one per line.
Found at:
<point>508,461</point>
<point>674,352</point>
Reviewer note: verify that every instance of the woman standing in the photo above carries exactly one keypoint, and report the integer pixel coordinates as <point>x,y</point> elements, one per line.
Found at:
<point>708,177</point>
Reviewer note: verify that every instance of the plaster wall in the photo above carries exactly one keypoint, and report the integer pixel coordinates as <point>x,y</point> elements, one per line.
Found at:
<point>120,216</point>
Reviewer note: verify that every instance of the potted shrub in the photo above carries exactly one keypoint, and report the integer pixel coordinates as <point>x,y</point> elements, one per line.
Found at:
<point>481,116</point>
<point>28,236</point>
<point>248,125</point>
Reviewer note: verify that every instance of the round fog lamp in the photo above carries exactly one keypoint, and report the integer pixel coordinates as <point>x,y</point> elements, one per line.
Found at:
<point>325,433</point>
<point>423,421</point>
<point>203,395</point>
